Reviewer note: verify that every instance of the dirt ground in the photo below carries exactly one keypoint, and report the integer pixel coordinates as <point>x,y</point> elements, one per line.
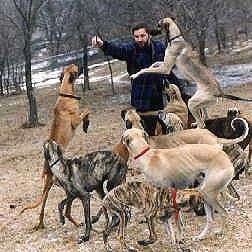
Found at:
<point>21,164</point>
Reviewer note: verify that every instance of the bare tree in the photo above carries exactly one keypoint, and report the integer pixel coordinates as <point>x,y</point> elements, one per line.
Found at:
<point>56,21</point>
<point>27,11</point>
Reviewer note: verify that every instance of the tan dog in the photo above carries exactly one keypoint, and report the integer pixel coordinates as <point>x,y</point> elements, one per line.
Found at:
<point>179,167</point>
<point>189,136</point>
<point>179,53</point>
<point>67,118</point>
<point>176,104</point>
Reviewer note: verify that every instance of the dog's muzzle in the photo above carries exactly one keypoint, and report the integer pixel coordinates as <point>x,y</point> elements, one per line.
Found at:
<point>128,124</point>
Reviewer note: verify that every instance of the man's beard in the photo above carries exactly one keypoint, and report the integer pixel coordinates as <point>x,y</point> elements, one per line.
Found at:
<point>144,44</point>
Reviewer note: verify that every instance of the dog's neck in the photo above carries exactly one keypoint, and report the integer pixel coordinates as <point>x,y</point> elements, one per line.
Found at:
<point>66,87</point>
<point>142,152</point>
<point>175,33</point>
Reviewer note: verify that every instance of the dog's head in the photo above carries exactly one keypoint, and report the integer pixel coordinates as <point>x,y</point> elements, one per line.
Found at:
<point>132,119</point>
<point>172,91</point>
<point>71,72</point>
<point>165,23</point>
<point>52,151</point>
<point>134,136</point>
<point>233,113</point>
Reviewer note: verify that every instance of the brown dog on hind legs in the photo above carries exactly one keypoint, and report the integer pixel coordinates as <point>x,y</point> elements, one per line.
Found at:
<point>67,117</point>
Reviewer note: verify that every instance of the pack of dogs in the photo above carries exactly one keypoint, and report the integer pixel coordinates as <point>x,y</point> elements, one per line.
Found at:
<point>182,167</point>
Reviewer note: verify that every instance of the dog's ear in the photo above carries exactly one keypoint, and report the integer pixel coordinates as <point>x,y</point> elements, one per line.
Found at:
<point>46,151</point>
<point>73,77</point>
<point>125,140</point>
<point>123,113</point>
<point>146,137</point>
<point>61,77</point>
<point>143,124</point>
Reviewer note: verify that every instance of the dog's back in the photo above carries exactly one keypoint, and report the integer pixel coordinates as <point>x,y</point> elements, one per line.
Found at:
<point>137,194</point>
<point>96,167</point>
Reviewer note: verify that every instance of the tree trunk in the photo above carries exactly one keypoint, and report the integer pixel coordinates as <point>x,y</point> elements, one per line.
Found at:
<point>217,35</point>
<point>32,113</point>
<point>202,46</point>
<point>111,76</point>
<point>85,63</point>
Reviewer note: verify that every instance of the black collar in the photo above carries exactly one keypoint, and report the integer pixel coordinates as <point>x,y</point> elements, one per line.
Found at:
<point>70,96</point>
<point>54,163</point>
<point>171,39</point>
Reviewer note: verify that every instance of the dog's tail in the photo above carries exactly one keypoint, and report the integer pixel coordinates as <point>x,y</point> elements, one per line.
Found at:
<point>38,201</point>
<point>233,97</point>
<point>226,141</point>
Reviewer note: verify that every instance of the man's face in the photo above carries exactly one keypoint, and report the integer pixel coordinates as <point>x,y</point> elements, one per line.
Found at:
<point>141,37</point>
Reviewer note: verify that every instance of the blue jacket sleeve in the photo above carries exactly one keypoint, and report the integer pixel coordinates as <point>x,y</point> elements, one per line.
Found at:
<point>121,51</point>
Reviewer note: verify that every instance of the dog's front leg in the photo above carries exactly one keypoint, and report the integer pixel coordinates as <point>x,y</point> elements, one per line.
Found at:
<point>160,67</point>
<point>122,234</point>
<point>85,200</point>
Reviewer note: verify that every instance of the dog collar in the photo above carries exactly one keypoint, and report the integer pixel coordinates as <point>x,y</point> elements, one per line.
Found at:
<point>171,39</point>
<point>174,202</point>
<point>70,96</point>
<point>142,152</point>
<point>54,163</point>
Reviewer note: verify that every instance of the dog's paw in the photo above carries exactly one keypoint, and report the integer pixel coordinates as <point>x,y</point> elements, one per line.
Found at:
<point>145,242</point>
<point>83,238</point>
<point>133,76</point>
<point>39,226</point>
<point>94,219</point>
<point>62,220</point>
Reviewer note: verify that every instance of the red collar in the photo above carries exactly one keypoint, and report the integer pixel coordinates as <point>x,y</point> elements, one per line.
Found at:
<point>174,202</point>
<point>142,152</point>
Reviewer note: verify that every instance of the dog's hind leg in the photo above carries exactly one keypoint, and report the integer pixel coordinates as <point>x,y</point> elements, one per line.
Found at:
<point>101,194</point>
<point>61,206</point>
<point>209,213</point>
<point>153,235</point>
<point>46,189</point>
<point>221,210</point>
<point>195,105</point>
<point>122,234</point>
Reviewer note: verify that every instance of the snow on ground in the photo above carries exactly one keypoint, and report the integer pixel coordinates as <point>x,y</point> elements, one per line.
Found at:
<point>227,75</point>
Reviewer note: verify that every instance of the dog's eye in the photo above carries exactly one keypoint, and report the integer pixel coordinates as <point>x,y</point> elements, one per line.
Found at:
<point>127,141</point>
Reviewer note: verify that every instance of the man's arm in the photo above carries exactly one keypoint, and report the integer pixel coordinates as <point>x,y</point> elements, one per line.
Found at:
<point>120,51</point>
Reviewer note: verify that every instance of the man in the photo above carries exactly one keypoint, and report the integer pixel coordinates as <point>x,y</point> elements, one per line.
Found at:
<point>146,90</point>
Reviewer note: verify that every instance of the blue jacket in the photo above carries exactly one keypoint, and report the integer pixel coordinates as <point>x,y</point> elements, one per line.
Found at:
<point>146,90</point>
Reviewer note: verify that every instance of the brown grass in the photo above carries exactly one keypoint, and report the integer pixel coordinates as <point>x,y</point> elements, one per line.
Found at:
<point>21,167</point>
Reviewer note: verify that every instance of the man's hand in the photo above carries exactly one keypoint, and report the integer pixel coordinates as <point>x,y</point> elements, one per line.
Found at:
<point>133,76</point>
<point>97,42</point>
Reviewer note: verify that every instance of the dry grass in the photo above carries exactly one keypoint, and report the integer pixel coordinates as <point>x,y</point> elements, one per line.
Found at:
<point>21,166</point>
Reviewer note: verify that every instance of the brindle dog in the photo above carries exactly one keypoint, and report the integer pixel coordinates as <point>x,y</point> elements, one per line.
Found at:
<point>153,201</point>
<point>80,176</point>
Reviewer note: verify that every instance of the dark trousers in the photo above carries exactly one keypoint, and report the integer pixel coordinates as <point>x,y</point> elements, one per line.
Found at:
<point>150,122</point>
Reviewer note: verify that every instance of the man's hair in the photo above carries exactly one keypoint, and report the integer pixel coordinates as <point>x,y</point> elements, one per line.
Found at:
<point>140,26</point>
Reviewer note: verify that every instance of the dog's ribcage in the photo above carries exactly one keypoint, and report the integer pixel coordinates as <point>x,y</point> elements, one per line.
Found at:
<point>94,168</point>
<point>139,195</point>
